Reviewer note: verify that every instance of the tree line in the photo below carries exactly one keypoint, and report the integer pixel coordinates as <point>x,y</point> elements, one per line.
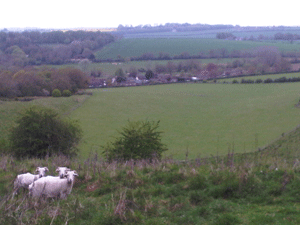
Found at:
<point>33,82</point>
<point>278,36</point>
<point>168,27</point>
<point>56,47</point>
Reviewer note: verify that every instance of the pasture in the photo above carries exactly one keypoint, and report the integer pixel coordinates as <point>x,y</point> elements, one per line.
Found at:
<point>133,47</point>
<point>263,77</point>
<point>198,119</point>
<point>201,119</point>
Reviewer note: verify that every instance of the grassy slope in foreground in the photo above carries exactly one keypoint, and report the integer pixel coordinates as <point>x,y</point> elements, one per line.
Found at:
<point>255,188</point>
<point>203,118</point>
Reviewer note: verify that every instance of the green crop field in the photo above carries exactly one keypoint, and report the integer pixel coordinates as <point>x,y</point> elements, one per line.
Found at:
<point>134,47</point>
<point>202,119</point>
<point>211,33</point>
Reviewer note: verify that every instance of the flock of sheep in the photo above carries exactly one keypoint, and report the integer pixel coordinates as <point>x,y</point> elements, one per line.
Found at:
<point>40,185</point>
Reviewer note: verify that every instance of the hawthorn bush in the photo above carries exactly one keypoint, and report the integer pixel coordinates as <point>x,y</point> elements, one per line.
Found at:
<point>138,140</point>
<point>56,93</point>
<point>66,93</point>
<point>40,131</point>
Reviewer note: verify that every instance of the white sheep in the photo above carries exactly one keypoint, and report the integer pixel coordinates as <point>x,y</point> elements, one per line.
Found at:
<point>62,171</point>
<point>24,180</point>
<point>53,187</point>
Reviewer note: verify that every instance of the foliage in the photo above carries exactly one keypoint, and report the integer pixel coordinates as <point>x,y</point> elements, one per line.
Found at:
<point>138,140</point>
<point>32,82</point>
<point>39,131</point>
<point>225,35</point>
<point>149,74</point>
<point>66,93</point>
<point>55,47</point>
<point>56,93</point>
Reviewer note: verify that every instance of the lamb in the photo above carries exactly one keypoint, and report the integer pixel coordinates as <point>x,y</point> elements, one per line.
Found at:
<point>62,171</point>
<point>24,180</point>
<point>53,187</point>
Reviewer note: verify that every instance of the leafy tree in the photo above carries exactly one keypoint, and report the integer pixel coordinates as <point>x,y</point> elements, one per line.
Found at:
<point>119,72</point>
<point>149,74</point>
<point>40,131</point>
<point>138,140</point>
<point>56,93</point>
<point>120,75</point>
<point>66,93</point>
<point>28,83</point>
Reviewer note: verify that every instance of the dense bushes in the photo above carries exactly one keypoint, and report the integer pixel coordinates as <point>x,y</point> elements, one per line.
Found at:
<point>33,82</point>
<point>268,80</point>
<point>138,140</point>
<point>66,93</point>
<point>40,132</point>
<point>56,93</point>
<point>55,47</point>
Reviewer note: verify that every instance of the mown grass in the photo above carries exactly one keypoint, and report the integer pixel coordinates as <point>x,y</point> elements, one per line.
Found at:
<point>255,188</point>
<point>133,47</point>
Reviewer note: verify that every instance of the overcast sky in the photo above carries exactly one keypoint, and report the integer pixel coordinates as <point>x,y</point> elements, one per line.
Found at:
<point>111,13</point>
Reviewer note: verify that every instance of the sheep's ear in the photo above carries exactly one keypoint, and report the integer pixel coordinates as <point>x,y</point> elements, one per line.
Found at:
<point>57,170</point>
<point>37,169</point>
<point>75,173</point>
<point>46,169</point>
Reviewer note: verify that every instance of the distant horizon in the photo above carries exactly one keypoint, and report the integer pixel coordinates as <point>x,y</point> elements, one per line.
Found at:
<point>129,25</point>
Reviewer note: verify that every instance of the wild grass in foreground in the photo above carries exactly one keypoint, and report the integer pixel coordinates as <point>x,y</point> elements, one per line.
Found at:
<point>256,188</point>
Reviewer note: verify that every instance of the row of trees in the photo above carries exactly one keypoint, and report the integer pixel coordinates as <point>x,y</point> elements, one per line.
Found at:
<point>268,80</point>
<point>57,47</point>
<point>267,60</point>
<point>213,53</point>
<point>170,27</point>
<point>32,82</point>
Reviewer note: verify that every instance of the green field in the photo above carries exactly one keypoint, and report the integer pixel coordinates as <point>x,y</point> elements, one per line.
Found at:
<point>263,77</point>
<point>211,33</point>
<point>204,119</point>
<point>133,47</point>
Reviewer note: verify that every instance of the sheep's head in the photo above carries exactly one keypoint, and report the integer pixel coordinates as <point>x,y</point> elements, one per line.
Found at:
<point>62,171</point>
<point>71,175</point>
<point>42,171</point>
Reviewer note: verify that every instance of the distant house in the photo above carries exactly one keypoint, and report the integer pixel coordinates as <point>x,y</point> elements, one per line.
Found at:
<point>97,82</point>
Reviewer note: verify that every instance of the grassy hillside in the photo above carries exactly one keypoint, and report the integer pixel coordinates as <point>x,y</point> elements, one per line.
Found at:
<point>175,46</point>
<point>257,188</point>
<point>202,119</point>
